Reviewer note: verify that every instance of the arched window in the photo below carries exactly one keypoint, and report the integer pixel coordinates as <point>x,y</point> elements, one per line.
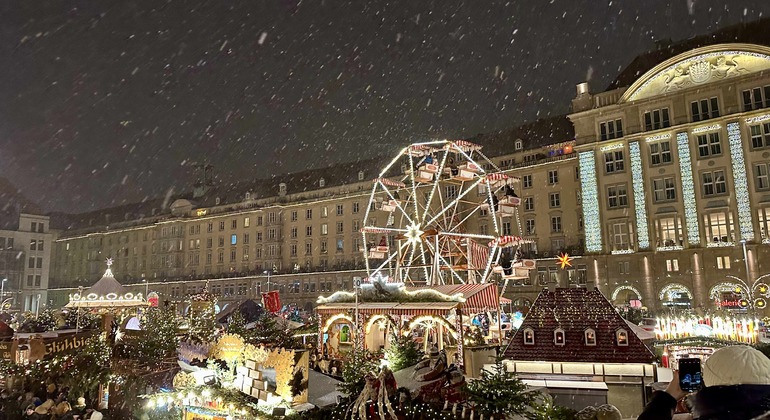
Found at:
<point>529,336</point>
<point>518,145</point>
<point>282,188</point>
<point>590,337</point>
<point>248,195</point>
<point>217,201</point>
<point>558,337</point>
<point>622,337</point>
<point>360,175</point>
<point>322,183</point>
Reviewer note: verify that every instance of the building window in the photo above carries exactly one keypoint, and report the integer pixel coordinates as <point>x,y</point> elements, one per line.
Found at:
<point>340,227</point>
<point>340,244</point>
<point>293,233</point>
<point>709,145</point>
<point>308,214</point>
<point>308,248</point>
<point>761,180</point>
<point>719,227</point>
<point>713,183</point>
<point>360,178</point>
<point>321,183</point>
<point>450,191</point>
<point>233,239</point>
<point>624,267</point>
<point>617,196</point>
<point>613,161</point>
<point>723,263</point>
<point>556,224</point>
<point>764,222</point>
<point>660,153</point>
<point>309,231</point>
<point>356,208</point>
<point>760,135</point>
<point>672,265</point>
<point>622,337</point>
<point>553,176</point>
<point>582,274</point>
<point>324,211</point>
<point>704,109</point>
<point>590,337</point>
<point>526,181</point>
<point>293,250</point>
<point>293,215</point>
<point>669,230</point>
<point>529,337</point>
<point>506,228</point>
<point>611,129</point>
<point>232,255</point>
<point>529,203</point>
<point>664,189</point>
<point>518,144</point>
<point>529,226</point>
<point>554,199</point>
<point>558,337</point>
<point>656,119</point>
<point>339,209</point>
<point>620,236</point>
<point>234,224</point>
<point>541,273</point>
<point>221,225</point>
<point>324,229</point>
<point>756,98</point>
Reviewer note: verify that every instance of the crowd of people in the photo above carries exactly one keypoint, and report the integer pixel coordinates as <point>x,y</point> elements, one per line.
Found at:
<point>51,403</point>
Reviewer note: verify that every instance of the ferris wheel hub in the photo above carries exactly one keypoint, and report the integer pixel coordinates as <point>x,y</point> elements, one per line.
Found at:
<point>413,233</point>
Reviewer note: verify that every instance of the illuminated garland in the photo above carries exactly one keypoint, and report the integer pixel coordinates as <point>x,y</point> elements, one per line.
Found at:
<point>739,179</point>
<point>206,400</point>
<point>642,232</point>
<point>688,188</point>
<point>591,220</point>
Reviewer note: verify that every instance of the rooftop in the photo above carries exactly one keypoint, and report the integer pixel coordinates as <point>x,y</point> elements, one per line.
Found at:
<point>576,310</point>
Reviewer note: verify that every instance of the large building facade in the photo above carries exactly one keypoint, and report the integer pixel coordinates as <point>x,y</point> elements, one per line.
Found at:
<point>658,187</point>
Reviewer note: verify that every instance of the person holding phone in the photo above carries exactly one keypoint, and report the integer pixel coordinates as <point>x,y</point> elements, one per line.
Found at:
<point>735,385</point>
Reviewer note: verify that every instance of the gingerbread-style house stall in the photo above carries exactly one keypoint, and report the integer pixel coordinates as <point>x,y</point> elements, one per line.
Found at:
<point>432,315</point>
<point>575,343</point>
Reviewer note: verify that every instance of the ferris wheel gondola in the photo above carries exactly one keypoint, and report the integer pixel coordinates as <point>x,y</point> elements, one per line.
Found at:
<point>426,209</point>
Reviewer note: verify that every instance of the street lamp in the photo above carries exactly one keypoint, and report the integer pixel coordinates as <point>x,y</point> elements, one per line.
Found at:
<point>268,272</point>
<point>2,293</point>
<point>146,288</point>
<point>356,288</point>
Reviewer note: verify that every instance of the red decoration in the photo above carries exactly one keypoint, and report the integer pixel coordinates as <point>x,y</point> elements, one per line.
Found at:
<point>152,298</point>
<point>272,301</point>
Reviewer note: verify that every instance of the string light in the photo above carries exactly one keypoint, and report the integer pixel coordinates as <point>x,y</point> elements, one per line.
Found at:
<point>664,136</point>
<point>739,179</point>
<point>642,231</point>
<point>757,119</point>
<point>688,188</point>
<point>712,127</point>
<point>591,220</point>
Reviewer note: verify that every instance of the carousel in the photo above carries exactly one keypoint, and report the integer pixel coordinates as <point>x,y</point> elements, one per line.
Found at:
<point>443,242</point>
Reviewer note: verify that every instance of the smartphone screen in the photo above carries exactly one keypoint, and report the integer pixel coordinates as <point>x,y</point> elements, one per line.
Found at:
<point>690,377</point>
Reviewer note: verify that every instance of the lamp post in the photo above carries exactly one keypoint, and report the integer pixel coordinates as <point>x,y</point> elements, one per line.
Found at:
<point>2,294</point>
<point>356,288</point>
<point>146,288</point>
<point>268,272</point>
<point>77,315</point>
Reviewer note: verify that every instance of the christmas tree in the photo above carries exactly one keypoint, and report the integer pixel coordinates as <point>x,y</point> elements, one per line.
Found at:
<point>201,320</point>
<point>357,364</point>
<point>160,335</point>
<point>500,393</point>
<point>403,352</point>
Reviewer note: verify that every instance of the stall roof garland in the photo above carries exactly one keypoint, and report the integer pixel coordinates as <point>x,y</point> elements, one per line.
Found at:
<point>226,400</point>
<point>388,292</point>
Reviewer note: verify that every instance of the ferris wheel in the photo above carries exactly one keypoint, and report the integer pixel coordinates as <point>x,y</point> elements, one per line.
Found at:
<point>437,213</point>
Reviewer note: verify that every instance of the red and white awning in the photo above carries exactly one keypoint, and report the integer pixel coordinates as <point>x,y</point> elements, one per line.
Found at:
<point>421,150</point>
<point>509,240</point>
<point>478,297</point>
<point>497,178</point>
<point>372,229</point>
<point>390,182</point>
<point>467,146</point>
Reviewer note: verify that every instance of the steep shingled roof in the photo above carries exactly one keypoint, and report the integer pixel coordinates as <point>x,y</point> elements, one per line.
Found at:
<point>756,32</point>
<point>534,135</point>
<point>574,311</point>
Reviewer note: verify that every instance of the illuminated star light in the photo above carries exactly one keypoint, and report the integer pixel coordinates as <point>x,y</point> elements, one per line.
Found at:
<point>564,261</point>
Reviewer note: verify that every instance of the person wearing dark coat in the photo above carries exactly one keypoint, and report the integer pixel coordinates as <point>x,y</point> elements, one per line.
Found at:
<point>737,387</point>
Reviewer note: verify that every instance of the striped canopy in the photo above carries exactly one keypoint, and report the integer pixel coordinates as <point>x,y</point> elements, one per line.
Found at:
<point>509,240</point>
<point>467,146</point>
<point>390,182</point>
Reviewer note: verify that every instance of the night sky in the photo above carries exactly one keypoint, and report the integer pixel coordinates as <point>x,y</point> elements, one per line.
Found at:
<point>105,102</point>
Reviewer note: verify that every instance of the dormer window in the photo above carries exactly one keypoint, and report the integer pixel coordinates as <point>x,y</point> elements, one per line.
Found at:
<point>590,337</point>
<point>529,337</point>
<point>322,183</point>
<point>360,175</point>
<point>622,337</point>
<point>558,337</point>
<point>403,168</point>
<point>248,195</point>
<point>518,145</point>
<point>282,188</point>
<point>217,201</point>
